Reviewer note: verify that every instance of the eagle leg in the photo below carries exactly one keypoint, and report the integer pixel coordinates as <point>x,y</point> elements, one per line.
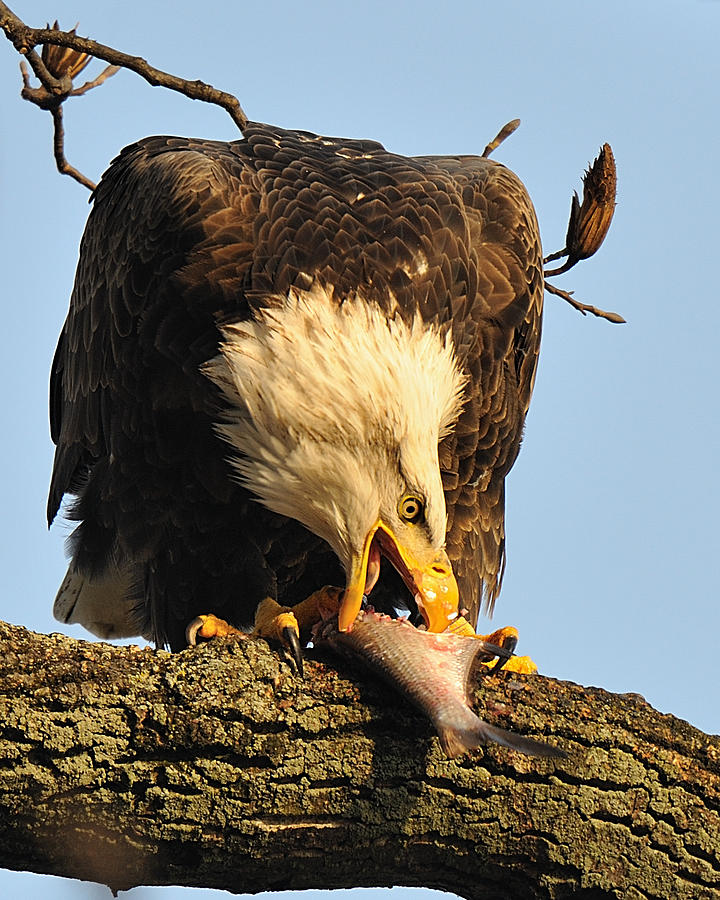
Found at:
<point>506,638</point>
<point>285,624</point>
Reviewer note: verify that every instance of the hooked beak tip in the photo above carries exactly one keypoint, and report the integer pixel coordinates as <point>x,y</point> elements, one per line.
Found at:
<point>438,597</point>
<point>350,606</point>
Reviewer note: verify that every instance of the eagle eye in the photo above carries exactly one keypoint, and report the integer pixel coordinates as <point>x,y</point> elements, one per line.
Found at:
<point>411,508</point>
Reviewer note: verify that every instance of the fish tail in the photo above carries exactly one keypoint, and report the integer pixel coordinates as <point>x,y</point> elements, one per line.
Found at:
<point>456,741</point>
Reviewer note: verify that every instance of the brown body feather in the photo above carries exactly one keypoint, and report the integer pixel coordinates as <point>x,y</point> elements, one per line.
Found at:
<point>186,235</point>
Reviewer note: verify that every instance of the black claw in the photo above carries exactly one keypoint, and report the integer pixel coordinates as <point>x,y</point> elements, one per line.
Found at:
<point>503,652</point>
<point>509,644</point>
<point>192,630</point>
<point>294,648</point>
<point>498,665</point>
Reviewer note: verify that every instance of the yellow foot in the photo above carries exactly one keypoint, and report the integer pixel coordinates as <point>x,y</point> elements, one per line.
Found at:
<point>322,605</point>
<point>205,628</point>
<point>524,665</point>
<point>284,624</point>
<point>506,638</point>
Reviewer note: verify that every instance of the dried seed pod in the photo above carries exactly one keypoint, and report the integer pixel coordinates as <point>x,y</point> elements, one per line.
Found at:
<point>589,222</point>
<point>61,61</point>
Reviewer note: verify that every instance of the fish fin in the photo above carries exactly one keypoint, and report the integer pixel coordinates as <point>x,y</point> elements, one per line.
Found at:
<point>456,741</point>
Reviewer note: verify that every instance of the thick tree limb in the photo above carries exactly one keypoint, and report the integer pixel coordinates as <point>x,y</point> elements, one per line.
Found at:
<point>219,767</point>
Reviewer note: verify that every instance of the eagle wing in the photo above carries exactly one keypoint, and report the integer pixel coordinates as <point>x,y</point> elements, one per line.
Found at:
<point>136,332</point>
<point>500,351</point>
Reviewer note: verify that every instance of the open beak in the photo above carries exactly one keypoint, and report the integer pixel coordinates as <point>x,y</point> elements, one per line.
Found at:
<point>428,577</point>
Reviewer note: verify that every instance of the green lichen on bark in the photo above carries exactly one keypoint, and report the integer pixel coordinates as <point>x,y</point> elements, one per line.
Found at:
<point>219,767</point>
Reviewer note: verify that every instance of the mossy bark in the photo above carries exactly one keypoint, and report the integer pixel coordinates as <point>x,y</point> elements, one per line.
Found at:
<point>218,767</point>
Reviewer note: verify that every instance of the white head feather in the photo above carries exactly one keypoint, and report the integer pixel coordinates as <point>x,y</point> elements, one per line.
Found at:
<point>334,408</point>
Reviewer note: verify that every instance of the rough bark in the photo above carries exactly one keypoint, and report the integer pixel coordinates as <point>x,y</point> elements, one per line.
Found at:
<point>219,767</point>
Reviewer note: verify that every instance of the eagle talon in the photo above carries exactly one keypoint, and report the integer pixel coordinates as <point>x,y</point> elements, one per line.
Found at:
<point>293,648</point>
<point>278,624</point>
<point>507,638</point>
<point>207,627</point>
<point>192,630</point>
<point>500,662</point>
<point>504,639</point>
<point>509,643</point>
<point>284,624</point>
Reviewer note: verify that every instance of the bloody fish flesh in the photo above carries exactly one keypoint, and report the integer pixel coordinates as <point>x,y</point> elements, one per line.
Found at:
<point>432,671</point>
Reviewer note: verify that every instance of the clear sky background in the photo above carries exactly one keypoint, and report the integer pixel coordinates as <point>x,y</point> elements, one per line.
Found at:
<point>612,509</point>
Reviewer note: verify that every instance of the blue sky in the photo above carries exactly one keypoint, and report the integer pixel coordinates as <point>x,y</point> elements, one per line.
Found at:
<point>612,508</point>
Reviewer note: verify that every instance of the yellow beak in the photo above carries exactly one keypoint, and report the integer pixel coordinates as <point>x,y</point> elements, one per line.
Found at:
<point>428,576</point>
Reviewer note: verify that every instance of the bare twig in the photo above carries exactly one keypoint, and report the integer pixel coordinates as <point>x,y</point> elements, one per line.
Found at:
<point>584,308</point>
<point>63,166</point>
<point>96,82</point>
<point>53,104</point>
<point>56,86</point>
<point>52,88</point>
<point>25,38</point>
<point>502,135</point>
<point>56,68</point>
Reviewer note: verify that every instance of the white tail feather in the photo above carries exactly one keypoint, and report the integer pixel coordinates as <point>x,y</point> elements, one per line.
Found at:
<point>102,605</point>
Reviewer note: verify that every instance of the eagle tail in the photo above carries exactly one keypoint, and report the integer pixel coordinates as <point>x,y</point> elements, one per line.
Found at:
<point>104,605</point>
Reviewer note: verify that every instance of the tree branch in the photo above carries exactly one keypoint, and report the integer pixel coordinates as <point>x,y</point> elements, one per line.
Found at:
<point>96,82</point>
<point>56,80</point>
<point>218,767</point>
<point>63,166</point>
<point>584,308</point>
<point>25,38</point>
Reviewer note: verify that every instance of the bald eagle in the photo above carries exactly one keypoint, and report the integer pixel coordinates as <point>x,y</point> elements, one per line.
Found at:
<point>292,361</point>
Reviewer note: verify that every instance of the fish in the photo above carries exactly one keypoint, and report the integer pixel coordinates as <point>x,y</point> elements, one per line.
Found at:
<point>432,671</point>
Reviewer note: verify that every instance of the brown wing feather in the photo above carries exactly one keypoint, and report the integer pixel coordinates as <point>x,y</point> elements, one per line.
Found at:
<point>507,312</point>
<point>158,200</point>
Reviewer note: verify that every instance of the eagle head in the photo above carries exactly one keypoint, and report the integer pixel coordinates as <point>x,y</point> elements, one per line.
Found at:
<point>335,409</point>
